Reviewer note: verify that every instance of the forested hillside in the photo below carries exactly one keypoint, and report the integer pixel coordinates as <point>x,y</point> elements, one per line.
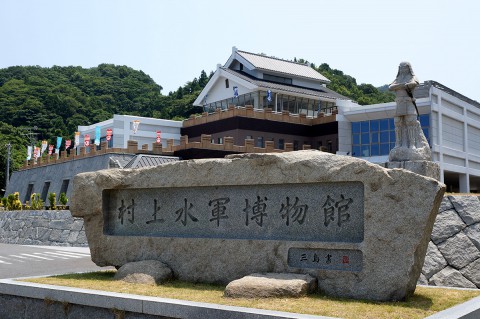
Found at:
<point>52,102</point>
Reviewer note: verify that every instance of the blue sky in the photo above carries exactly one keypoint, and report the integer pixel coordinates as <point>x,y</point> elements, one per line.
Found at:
<point>173,40</point>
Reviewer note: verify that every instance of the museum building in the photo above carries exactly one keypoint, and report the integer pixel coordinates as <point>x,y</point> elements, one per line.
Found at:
<point>256,103</point>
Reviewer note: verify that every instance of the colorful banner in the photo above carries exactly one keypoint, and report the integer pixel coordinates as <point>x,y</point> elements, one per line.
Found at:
<point>159,139</point>
<point>36,152</point>
<point>68,143</point>
<point>235,91</point>
<point>109,134</point>
<point>86,140</point>
<point>97,135</point>
<point>269,96</point>
<point>50,149</point>
<point>44,146</point>
<point>77,139</point>
<point>29,153</point>
<point>59,142</point>
<point>135,125</point>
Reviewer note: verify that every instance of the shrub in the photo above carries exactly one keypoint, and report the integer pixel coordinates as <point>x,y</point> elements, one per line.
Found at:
<point>37,202</point>
<point>16,203</point>
<point>52,198</point>
<point>4,202</point>
<point>63,199</point>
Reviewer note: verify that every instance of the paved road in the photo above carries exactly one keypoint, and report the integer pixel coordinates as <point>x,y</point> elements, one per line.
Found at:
<point>25,261</point>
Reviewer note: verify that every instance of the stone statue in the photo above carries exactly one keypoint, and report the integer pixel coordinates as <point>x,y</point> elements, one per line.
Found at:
<point>410,143</point>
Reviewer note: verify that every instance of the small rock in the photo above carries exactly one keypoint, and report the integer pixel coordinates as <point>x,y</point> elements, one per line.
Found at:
<point>271,285</point>
<point>144,272</point>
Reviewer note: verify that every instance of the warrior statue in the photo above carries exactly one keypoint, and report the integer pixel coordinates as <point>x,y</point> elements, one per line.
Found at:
<point>410,142</point>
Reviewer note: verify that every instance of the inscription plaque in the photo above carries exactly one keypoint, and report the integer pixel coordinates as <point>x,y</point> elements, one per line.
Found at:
<point>329,259</point>
<point>295,212</point>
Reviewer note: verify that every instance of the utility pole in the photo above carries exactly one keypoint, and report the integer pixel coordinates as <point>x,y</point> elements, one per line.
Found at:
<point>7,174</point>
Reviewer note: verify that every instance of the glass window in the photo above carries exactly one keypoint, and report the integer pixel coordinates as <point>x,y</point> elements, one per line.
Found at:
<point>356,151</point>
<point>384,137</point>
<point>260,141</point>
<point>384,149</point>
<point>364,126</point>
<point>365,150</point>
<point>281,143</point>
<point>355,127</point>
<point>375,137</point>
<point>391,124</point>
<point>374,125</point>
<point>365,138</point>
<point>356,139</point>
<point>425,132</point>
<point>425,120</point>
<point>295,145</point>
<point>392,136</point>
<point>375,150</point>
<point>384,125</point>
<point>392,145</point>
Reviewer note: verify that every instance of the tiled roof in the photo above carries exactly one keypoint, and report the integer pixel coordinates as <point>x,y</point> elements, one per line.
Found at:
<point>323,92</point>
<point>145,160</point>
<point>283,66</point>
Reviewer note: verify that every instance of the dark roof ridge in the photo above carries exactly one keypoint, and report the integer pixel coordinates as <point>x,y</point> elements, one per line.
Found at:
<point>274,58</point>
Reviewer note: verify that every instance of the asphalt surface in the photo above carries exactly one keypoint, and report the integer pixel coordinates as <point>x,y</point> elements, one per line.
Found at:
<point>26,261</point>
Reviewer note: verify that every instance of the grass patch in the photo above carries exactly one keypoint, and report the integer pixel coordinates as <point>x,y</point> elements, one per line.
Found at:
<point>425,301</point>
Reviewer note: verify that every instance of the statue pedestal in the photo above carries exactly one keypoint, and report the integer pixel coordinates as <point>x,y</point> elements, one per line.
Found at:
<point>424,168</point>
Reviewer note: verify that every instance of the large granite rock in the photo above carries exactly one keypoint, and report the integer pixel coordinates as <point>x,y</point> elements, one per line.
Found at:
<point>468,207</point>
<point>450,277</point>
<point>271,285</point>
<point>446,225</point>
<point>459,251</point>
<point>473,232</point>
<point>361,230</point>
<point>472,272</point>
<point>445,205</point>
<point>434,261</point>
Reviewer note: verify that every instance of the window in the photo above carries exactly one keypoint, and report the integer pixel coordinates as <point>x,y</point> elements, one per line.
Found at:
<point>226,83</point>
<point>44,194</point>
<point>260,141</point>
<point>295,145</point>
<point>64,187</point>
<point>281,144</point>
<point>377,137</point>
<point>28,193</point>
<point>220,140</point>
<point>249,137</point>
<point>278,79</point>
<point>241,66</point>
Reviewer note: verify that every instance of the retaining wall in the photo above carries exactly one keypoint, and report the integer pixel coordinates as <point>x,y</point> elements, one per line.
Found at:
<point>42,227</point>
<point>453,255</point>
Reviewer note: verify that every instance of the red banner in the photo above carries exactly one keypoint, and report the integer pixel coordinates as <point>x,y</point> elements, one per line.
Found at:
<point>68,143</point>
<point>159,139</point>
<point>109,134</point>
<point>86,140</point>
<point>50,149</point>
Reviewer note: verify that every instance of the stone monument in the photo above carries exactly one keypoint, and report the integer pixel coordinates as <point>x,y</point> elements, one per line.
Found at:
<point>411,150</point>
<point>359,229</point>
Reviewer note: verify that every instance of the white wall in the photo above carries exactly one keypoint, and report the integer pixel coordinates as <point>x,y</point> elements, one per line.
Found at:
<point>122,126</point>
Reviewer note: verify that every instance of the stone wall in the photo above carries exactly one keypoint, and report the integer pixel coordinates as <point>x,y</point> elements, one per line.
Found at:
<point>453,255</point>
<point>42,227</point>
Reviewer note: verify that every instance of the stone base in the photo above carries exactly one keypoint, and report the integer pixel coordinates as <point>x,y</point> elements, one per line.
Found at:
<point>271,285</point>
<point>424,168</point>
<point>410,154</point>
